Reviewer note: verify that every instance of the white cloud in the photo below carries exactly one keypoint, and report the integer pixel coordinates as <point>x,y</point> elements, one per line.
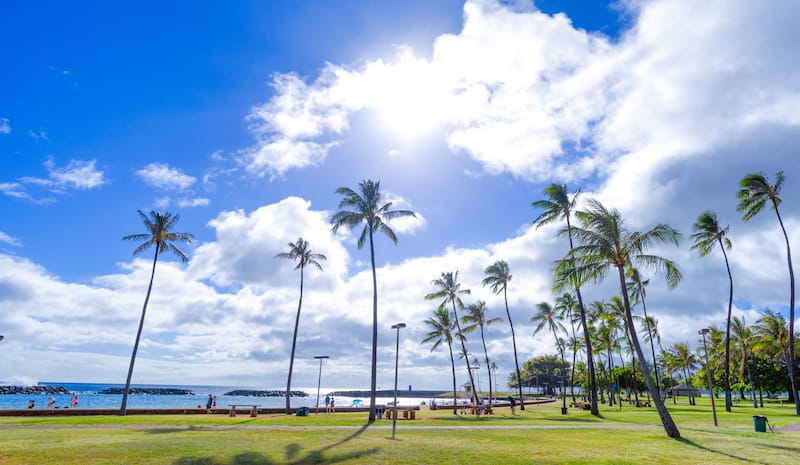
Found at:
<point>196,202</point>
<point>5,128</point>
<point>163,177</point>
<point>8,239</point>
<point>78,174</point>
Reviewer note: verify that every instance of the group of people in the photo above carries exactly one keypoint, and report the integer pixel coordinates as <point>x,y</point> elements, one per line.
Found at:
<point>330,404</point>
<point>51,402</point>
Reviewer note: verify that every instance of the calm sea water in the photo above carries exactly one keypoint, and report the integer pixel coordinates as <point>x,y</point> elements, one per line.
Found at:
<point>89,398</point>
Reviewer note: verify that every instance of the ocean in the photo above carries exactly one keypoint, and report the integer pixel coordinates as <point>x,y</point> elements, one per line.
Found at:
<point>89,398</point>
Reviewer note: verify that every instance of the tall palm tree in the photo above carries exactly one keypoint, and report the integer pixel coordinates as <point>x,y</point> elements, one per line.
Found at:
<point>299,251</point>
<point>708,234</point>
<point>159,233</point>
<point>605,243</point>
<point>687,361</point>
<point>650,335</point>
<point>558,206</point>
<point>442,328</point>
<point>547,316</point>
<point>754,193</point>
<point>743,339</point>
<point>449,290</point>
<point>475,318</point>
<point>365,206</point>
<point>565,305</point>
<point>496,276</point>
<point>637,289</point>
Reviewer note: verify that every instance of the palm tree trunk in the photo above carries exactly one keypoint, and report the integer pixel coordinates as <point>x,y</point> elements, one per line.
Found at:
<point>666,419</point>
<point>455,389</point>
<point>466,358</point>
<point>728,400</point>
<point>294,344</point>
<point>592,379</point>
<point>651,333</point>
<point>790,366</point>
<point>123,409</point>
<point>752,385</point>
<point>514,344</point>
<point>488,368</point>
<point>572,377</point>
<point>373,381</point>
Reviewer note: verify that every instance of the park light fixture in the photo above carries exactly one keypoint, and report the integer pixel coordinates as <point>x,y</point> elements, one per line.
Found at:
<point>319,379</point>
<point>397,326</point>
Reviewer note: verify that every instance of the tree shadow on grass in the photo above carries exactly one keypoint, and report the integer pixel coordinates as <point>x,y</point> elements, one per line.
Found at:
<point>293,455</point>
<point>796,450</point>
<point>707,449</point>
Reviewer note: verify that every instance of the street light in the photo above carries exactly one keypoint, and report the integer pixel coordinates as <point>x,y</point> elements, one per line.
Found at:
<point>396,359</point>
<point>319,379</point>
<point>703,333</point>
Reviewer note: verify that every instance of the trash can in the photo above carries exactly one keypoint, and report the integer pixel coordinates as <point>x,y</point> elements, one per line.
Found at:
<point>379,411</point>
<point>302,412</point>
<point>760,423</point>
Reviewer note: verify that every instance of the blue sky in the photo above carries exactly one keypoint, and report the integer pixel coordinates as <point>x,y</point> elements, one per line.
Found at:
<point>246,118</point>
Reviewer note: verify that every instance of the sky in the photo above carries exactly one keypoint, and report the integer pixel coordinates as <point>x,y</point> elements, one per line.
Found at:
<point>245,118</point>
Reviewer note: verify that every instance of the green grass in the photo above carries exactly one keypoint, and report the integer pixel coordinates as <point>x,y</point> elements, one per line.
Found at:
<point>632,436</point>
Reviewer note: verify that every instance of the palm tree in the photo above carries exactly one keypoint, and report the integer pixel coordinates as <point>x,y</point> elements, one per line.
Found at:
<point>755,190</point>
<point>442,326</point>
<point>497,276</point>
<point>743,339</point>
<point>650,335</point>
<point>475,318</point>
<point>605,243</point>
<point>558,206</point>
<point>687,361</point>
<point>709,233</point>
<point>300,252</point>
<point>159,233</point>
<point>636,287</point>
<point>772,336</point>
<point>566,304</point>
<point>449,290</point>
<point>365,207</point>
<point>547,315</point>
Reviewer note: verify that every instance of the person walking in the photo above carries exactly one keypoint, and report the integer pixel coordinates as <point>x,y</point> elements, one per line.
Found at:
<point>209,403</point>
<point>327,404</point>
<point>74,401</point>
<point>333,405</point>
<point>512,402</point>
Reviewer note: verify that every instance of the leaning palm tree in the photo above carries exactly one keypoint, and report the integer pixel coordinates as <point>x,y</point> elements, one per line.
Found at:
<point>449,290</point>
<point>365,206</point>
<point>755,190</point>
<point>558,206</point>
<point>497,276</point>
<point>708,234</point>
<point>159,233</point>
<point>637,289</point>
<point>301,252</point>
<point>547,316</point>
<point>475,318</point>
<point>442,329</point>
<point>605,244</point>
<point>687,361</point>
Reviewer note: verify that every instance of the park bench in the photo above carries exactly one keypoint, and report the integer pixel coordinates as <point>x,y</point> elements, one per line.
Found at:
<point>408,413</point>
<point>253,409</point>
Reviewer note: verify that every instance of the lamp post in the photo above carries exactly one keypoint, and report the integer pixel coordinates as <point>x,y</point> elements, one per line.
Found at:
<point>396,360</point>
<point>319,379</point>
<point>703,333</point>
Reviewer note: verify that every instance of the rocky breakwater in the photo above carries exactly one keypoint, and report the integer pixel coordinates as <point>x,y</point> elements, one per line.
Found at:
<point>149,391</point>
<point>33,390</point>
<point>251,393</point>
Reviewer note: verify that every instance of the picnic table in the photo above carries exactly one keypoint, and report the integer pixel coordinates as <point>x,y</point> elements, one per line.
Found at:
<point>253,409</point>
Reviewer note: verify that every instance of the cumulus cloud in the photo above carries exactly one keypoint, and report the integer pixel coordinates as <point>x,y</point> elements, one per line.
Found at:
<point>77,175</point>
<point>161,176</point>
<point>196,202</point>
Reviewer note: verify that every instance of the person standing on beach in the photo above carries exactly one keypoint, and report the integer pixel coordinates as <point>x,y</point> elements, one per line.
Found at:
<point>209,403</point>
<point>74,401</point>
<point>333,405</point>
<point>327,404</point>
<point>51,401</point>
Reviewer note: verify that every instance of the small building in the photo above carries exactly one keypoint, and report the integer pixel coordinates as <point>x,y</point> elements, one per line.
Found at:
<point>681,390</point>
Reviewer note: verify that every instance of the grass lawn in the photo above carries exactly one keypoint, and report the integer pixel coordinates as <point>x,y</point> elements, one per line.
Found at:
<point>538,435</point>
